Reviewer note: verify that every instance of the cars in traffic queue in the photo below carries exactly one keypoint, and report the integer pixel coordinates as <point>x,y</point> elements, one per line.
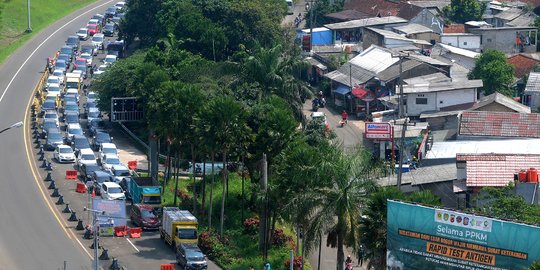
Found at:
<point>178,226</point>
<point>61,65</point>
<point>55,90</point>
<point>53,139</point>
<point>86,170</point>
<point>70,118</point>
<point>92,114</point>
<point>60,74</point>
<point>52,80</point>
<point>81,70</point>
<point>97,41</point>
<point>320,117</point>
<point>190,256</point>
<point>79,142</point>
<point>108,29</point>
<point>110,12</point>
<point>111,191</point>
<point>51,115</point>
<point>116,47</point>
<point>107,149</point>
<point>73,81</point>
<point>67,50</point>
<point>86,156</point>
<point>119,173</point>
<point>100,138</point>
<point>144,190</point>
<point>95,125</point>
<point>47,125</point>
<point>82,33</point>
<point>88,48</point>
<point>66,58</point>
<point>63,153</point>
<point>90,105</point>
<point>53,96</point>
<point>109,59</point>
<point>144,216</point>
<point>91,96</point>
<point>100,70</point>
<point>108,161</point>
<point>94,22</point>
<point>100,18</point>
<point>48,105</point>
<point>97,178</point>
<point>73,42</point>
<point>92,29</point>
<point>79,61</point>
<point>70,97</point>
<point>72,130</point>
<point>89,58</point>
<point>71,107</point>
<point>121,5</point>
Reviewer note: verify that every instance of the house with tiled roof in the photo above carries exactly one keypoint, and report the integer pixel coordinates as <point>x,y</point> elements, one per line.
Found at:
<point>454,28</point>
<point>346,15</point>
<point>374,8</point>
<point>531,94</point>
<point>353,31</point>
<point>523,64</point>
<point>488,124</point>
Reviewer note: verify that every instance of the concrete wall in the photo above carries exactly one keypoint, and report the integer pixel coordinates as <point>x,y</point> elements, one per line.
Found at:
<point>427,19</point>
<point>426,36</point>
<point>469,42</point>
<point>414,109</point>
<point>445,191</point>
<point>534,100</point>
<point>436,100</point>
<point>393,43</point>
<point>370,38</point>
<point>503,40</point>
<point>495,107</point>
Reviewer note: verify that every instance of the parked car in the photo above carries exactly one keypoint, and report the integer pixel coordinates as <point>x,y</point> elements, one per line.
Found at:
<point>108,161</point>
<point>82,33</point>
<point>99,138</point>
<point>144,216</point>
<point>86,170</point>
<point>64,153</point>
<point>54,138</point>
<point>189,256</point>
<point>111,191</point>
<point>73,42</point>
<point>108,30</point>
<point>47,125</point>
<point>86,156</point>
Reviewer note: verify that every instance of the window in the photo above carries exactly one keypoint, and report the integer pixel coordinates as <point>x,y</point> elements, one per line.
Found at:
<point>440,102</point>
<point>465,43</point>
<point>421,100</point>
<point>489,40</point>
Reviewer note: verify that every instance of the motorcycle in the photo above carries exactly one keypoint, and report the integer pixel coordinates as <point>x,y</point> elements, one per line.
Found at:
<point>315,105</point>
<point>342,122</point>
<point>349,266</point>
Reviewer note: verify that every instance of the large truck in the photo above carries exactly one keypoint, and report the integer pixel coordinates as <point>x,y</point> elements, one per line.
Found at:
<point>178,226</point>
<point>143,190</point>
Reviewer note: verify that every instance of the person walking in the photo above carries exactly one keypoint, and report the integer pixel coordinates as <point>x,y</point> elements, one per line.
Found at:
<point>361,254</point>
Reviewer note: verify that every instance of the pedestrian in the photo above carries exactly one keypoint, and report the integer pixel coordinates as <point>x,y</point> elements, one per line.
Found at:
<point>251,267</point>
<point>320,94</point>
<point>361,254</point>
<point>91,71</point>
<point>48,65</point>
<point>267,266</point>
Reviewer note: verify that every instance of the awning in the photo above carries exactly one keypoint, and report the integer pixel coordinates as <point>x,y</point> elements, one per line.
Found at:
<point>363,94</point>
<point>342,90</point>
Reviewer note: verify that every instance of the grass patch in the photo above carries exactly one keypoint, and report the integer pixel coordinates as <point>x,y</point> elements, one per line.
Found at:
<point>13,22</point>
<point>239,249</point>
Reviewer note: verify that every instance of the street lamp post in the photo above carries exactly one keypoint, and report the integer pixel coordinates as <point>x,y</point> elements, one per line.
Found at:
<point>29,29</point>
<point>16,125</point>
<point>94,230</point>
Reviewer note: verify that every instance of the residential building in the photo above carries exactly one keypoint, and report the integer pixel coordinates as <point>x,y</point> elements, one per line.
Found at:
<point>503,18</point>
<point>466,41</point>
<point>462,57</point>
<point>531,94</point>
<point>523,64</point>
<point>421,15</point>
<point>346,15</point>
<point>374,8</point>
<point>433,96</point>
<point>507,39</point>
<point>454,28</point>
<point>389,39</point>
<point>352,31</point>
<point>418,31</point>
<point>475,124</point>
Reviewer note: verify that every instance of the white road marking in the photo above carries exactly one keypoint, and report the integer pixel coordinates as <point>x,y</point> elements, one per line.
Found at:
<point>45,40</point>
<point>133,245</point>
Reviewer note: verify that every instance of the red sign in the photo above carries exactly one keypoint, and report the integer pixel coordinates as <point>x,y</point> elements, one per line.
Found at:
<point>378,131</point>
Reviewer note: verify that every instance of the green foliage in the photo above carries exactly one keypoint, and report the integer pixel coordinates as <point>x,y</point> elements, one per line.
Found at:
<point>504,204</point>
<point>534,266</point>
<point>491,67</point>
<point>141,22</point>
<point>461,11</point>
<point>320,9</point>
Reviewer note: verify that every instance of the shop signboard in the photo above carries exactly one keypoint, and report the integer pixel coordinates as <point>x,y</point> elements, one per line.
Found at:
<point>378,131</point>
<point>422,237</point>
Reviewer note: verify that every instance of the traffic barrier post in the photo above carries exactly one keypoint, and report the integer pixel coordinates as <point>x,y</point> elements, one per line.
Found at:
<point>132,165</point>
<point>167,266</point>
<point>135,232</point>
<point>81,188</point>
<point>71,174</point>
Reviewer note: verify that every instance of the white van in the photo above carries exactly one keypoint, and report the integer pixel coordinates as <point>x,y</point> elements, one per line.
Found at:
<point>290,6</point>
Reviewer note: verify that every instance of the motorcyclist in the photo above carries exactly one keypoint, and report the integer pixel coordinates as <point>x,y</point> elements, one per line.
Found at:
<point>348,262</point>
<point>344,116</point>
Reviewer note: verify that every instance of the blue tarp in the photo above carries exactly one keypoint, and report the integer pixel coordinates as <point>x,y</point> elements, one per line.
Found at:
<point>342,90</point>
<point>151,190</point>
<point>322,37</point>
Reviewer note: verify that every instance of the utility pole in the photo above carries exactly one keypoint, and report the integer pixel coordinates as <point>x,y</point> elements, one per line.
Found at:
<point>263,233</point>
<point>29,29</point>
<point>403,115</point>
<point>311,7</point>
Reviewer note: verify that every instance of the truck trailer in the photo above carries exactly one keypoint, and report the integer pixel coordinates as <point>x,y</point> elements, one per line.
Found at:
<point>178,226</point>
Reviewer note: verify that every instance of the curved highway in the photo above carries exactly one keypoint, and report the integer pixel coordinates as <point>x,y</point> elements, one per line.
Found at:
<point>33,234</point>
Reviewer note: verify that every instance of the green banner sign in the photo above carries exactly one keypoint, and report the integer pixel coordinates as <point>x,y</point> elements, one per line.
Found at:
<point>422,237</point>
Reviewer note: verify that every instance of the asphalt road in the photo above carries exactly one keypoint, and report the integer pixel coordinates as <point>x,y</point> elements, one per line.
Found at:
<point>32,231</point>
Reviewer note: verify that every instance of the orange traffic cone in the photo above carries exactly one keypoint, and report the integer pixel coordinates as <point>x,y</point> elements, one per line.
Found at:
<point>93,193</point>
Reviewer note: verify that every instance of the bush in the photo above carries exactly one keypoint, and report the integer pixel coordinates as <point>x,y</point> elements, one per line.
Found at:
<point>280,238</point>
<point>297,263</point>
<point>251,225</point>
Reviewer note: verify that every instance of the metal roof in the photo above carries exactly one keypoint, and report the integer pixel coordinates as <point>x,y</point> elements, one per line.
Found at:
<point>374,59</point>
<point>499,124</point>
<point>526,19</point>
<point>511,28</point>
<point>503,100</point>
<point>392,72</point>
<point>430,78</point>
<point>393,35</point>
<point>413,28</point>
<point>449,149</point>
<point>365,23</point>
<point>441,86</point>
<point>423,175</point>
<point>533,82</point>
<point>459,51</point>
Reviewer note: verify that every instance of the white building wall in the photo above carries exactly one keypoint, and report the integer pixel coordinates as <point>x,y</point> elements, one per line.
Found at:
<point>468,42</point>
<point>455,97</point>
<point>414,109</point>
<point>393,43</point>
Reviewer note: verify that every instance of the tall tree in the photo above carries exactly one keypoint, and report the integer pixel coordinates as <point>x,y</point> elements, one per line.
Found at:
<point>496,74</point>
<point>225,119</point>
<point>461,11</point>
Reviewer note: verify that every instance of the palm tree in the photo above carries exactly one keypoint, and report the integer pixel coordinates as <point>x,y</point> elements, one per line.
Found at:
<point>224,119</point>
<point>335,202</point>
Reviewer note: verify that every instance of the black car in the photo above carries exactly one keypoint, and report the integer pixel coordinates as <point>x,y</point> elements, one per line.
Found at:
<point>189,256</point>
<point>95,126</point>
<point>54,138</point>
<point>73,42</point>
<point>65,57</point>
<point>86,170</point>
<point>110,12</point>
<point>71,118</point>
<point>89,49</point>
<point>46,126</point>
<point>67,50</point>
<point>79,142</point>
<point>108,30</point>
<point>99,138</point>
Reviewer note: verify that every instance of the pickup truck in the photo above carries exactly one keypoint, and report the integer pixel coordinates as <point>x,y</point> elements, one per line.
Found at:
<point>143,190</point>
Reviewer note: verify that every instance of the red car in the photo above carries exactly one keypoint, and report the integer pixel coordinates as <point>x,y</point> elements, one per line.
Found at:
<point>144,216</point>
<point>79,61</point>
<point>92,29</point>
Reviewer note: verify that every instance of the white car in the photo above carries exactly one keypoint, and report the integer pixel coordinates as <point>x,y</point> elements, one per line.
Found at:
<point>120,4</point>
<point>97,41</point>
<point>52,80</point>
<point>82,33</point>
<point>88,58</point>
<point>92,114</point>
<point>109,161</point>
<point>64,153</point>
<point>107,149</point>
<point>120,172</point>
<point>112,191</point>
<point>73,91</point>
<point>54,89</point>
<point>60,74</point>
<point>86,156</point>
<point>109,59</point>
<point>100,70</point>
<point>72,130</point>
<point>51,114</point>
